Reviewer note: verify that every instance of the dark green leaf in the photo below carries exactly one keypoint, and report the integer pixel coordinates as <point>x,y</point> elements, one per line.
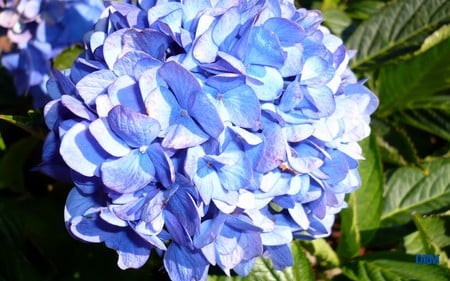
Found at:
<point>410,189</point>
<point>418,78</point>
<point>2,143</point>
<point>32,123</point>
<point>399,27</point>
<point>394,143</point>
<point>12,165</point>
<point>436,121</point>
<point>362,10</point>
<point>263,269</point>
<point>388,266</point>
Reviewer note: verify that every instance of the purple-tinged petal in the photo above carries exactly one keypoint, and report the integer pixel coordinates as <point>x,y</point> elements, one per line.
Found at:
<point>165,171</point>
<point>136,129</point>
<point>185,133</point>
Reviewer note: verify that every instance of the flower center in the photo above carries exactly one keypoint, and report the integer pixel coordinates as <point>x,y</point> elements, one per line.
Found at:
<point>183,113</point>
<point>143,149</point>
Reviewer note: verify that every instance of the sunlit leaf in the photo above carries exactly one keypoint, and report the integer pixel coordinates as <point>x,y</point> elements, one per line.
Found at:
<point>420,77</point>
<point>411,189</point>
<point>398,28</point>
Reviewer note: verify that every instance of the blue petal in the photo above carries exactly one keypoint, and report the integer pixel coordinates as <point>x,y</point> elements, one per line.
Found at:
<point>287,31</point>
<point>77,107</point>
<point>129,173</point>
<point>265,81</point>
<point>94,84</point>
<point>165,171</point>
<point>243,107</point>
<point>107,139</point>
<point>316,71</point>
<point>134,128</point>
<point>264,49</point>
<point>78,203</point>
<point>178,232</point>
<point>281,256</point>
<point>183,83</point>
<point>184,264</point>
<point>125,91</point>
<point>204,112</point>
<point>80,150</point>
<point>162,106</point>
<point>112,47</point>
<point>274,149</point>
<point>148,40</point>
<point>185,133</point>
<point>204,49</point>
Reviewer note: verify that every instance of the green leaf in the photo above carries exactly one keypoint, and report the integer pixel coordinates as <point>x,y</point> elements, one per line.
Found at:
<point>263,269</point>
<point>431,236</point>
<point>420,77</point>
<point>325,255</point>
<point>2,143</point>
<point>392,266</point>
<point>410,189</point>
<point>437,37</point>
<point>12,164</point>
<point>401,26</point>
<point>362,10</point>
<point>436,121</point>
<point>336,20</point>
<point>394,144</point>
<point>66,58</point>
<point>33,123</point>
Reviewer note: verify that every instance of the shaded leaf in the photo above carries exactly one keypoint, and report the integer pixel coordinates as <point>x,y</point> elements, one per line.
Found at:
<point>410,189</point>
<point>363,9</point>
<point>392,266</point>
<point>420,77</point>
<point>12,165</point>
<point>436,121</point>
<point>399,27</point>
<point>32,123</point>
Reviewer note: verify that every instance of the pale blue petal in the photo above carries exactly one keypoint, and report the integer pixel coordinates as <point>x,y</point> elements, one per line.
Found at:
<point>185,133</point>
<point>94,84</point>
<point>243,107</point>
<point>265,81</point>
<point>80,151</point>
<point>107,139</point>
<point>264,49</point>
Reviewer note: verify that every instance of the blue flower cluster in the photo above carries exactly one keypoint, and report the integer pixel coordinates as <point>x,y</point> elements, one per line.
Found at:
<point>213,132</point>
<point>32,32</point>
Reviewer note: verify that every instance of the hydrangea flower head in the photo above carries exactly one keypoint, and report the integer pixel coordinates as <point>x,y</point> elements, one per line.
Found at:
<point>213,132</point>
<point>33,32</point>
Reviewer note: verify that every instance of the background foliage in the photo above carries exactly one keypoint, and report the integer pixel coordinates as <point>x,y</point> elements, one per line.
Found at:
<point>402,208</point>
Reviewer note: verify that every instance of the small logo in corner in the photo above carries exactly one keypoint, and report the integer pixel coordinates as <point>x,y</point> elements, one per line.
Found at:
<point>427,259</point>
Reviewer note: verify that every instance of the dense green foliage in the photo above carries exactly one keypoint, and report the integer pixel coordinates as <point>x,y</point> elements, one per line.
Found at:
<point>402,208</point>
